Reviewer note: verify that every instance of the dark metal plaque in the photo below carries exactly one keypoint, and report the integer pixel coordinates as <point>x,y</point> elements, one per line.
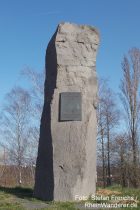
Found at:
<point>70,106</point>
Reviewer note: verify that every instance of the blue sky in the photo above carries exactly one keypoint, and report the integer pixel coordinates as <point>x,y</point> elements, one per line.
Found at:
<point>27,25</point>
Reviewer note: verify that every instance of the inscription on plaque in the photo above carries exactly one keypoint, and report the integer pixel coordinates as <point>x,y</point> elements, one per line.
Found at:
<point>70,106</point>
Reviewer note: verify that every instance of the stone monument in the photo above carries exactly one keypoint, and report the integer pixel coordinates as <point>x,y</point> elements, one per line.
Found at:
<point>66,162</point>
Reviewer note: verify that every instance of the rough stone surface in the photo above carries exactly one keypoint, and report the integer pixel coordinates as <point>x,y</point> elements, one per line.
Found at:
<point>66,162</point>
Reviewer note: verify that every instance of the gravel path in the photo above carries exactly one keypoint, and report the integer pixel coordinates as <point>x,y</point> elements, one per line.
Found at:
<point>32,205</point>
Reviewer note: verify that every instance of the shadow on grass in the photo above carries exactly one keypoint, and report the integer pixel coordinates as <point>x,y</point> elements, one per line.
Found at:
<point>20,192</point>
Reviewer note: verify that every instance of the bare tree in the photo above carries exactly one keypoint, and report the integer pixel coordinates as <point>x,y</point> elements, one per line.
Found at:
<point>36,81</point>
<point>101,128</point>
<point>15,127</point>
<point>122,149</point>
<point>3,161</point>
<point>130,98</point>
<point>108,117</point>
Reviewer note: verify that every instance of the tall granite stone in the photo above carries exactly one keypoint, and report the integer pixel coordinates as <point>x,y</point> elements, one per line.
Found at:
<point>66,162</point>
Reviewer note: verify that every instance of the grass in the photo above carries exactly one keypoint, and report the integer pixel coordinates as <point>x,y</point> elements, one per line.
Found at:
<point>15,198</point>
<point>120,192</point>
<point>8,202</point>
<point>17,191</point>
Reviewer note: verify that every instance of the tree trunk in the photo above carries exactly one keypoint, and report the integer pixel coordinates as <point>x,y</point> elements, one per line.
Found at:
<point>108,154</point>
<point>103,159</point>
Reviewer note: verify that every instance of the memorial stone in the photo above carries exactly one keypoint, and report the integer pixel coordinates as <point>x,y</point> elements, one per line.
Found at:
<point>66,162</point>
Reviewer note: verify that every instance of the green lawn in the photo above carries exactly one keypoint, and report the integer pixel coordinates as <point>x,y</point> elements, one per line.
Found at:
<point>21,199</point>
